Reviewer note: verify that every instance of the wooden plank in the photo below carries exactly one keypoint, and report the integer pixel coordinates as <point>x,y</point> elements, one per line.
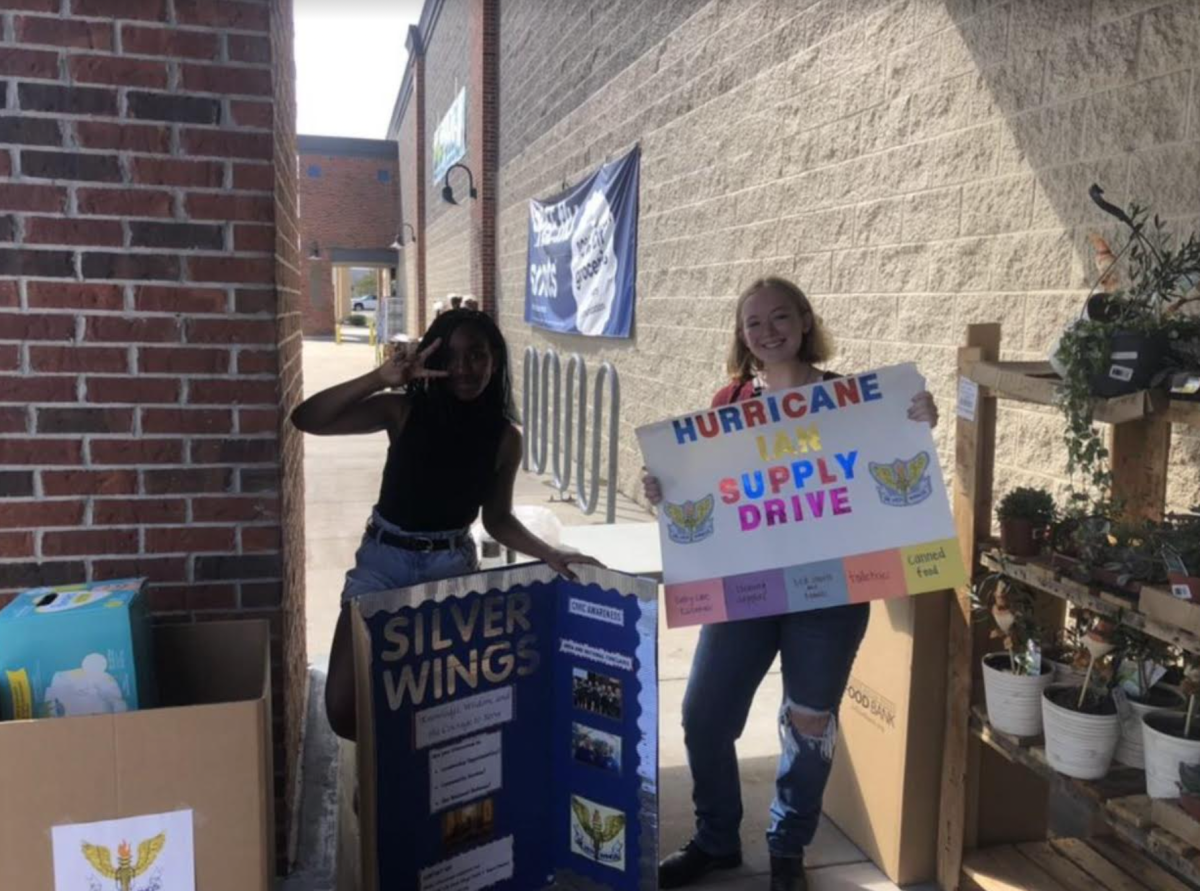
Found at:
<point>1140,450</point>
<point>1181,412</point>
<point>1050,861</point>
<point>1037,574</point>
<point>1132,809</point>
<point>1170,817</point>
<point>974,461</point>
<point>1106,875</point>
<point>1005,868</point>
<point>1138,864</point>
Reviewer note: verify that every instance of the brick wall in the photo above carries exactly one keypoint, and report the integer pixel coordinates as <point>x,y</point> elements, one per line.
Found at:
<point>916,165</point>
<point>147,345</point>
<point>410,183</point>
<point>447,69</point>
<point>349,198</point>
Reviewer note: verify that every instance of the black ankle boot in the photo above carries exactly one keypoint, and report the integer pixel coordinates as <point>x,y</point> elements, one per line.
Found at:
<point>689,863</point>
<point>787,874</point>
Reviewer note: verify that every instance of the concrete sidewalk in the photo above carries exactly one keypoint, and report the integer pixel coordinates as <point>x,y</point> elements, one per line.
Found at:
<point>341,482</point>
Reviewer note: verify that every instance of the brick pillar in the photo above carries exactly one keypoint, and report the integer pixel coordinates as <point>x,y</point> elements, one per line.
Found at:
<point>149,349</point>
<point>483,133</point>
<point>416,52</point>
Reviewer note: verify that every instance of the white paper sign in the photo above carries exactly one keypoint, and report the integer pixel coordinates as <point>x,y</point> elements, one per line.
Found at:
<point>461,717</point>
<point>968,398</point>
<point>150,853</point>
<point>478,868</point>
<point>464,771</point>
<point>801,499</point>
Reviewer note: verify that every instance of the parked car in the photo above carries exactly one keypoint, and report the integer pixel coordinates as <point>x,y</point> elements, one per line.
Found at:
<point>365,304</point>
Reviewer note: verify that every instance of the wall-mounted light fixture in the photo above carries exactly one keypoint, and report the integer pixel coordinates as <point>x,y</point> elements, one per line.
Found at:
<point>399,242</point>
<point>314,251</point>
<point>448,191</point>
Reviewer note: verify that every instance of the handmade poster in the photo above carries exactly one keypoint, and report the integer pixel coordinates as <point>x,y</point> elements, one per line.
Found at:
<point>509,737</point>
<point>450,136</point>
<point>582,257</point>
<point>149,853</point>
<point>801,499</point>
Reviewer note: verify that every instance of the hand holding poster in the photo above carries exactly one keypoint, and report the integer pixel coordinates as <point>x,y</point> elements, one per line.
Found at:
<point>801,499</point>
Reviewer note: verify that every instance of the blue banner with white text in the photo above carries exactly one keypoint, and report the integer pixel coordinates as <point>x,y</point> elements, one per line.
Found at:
<point>582,264</point>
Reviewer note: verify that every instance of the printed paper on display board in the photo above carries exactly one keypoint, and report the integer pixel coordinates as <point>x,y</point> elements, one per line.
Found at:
<point>498,704</point>
<point>801,499</point>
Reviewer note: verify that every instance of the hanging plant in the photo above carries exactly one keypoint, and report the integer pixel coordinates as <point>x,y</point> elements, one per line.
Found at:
<point>1129,338</point>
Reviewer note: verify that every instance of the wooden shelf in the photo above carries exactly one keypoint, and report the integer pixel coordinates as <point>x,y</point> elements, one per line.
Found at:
<point>1119,799</point>
<point>1040,575</point>
<point>1038,383</point>
<point>1066,864</point>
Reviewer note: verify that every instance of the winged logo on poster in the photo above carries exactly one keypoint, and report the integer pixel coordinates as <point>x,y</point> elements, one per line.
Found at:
<point>604,834</point>
<point>126,870</point>
<point>903,483</point>
<point>691,521</point>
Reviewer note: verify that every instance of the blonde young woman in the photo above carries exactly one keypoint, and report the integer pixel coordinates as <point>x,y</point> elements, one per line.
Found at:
<point>777,344</point>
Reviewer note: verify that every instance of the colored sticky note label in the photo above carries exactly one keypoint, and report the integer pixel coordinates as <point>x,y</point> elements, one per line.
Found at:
<point>816,585</point>
<point>695,603</point>
<point>875,576</point>
<point>755,594</point>
<point>932,567</point>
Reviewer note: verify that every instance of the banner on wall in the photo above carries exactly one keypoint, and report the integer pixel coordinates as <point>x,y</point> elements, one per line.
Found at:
<point>512,738</point>
<point>450,137</point>
<point>807,498</point>
<point>582,262</point>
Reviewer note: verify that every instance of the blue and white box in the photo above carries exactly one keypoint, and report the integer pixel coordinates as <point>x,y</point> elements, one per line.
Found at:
<point>76,650</point>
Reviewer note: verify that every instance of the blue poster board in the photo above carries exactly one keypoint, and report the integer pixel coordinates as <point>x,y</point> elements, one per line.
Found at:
<point>512,732</point>
<point>582,263</point>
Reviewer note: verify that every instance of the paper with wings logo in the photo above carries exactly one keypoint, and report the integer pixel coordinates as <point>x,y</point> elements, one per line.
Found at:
<point>691,521</point>
<point>598,832</point>
<point>903,483</point>
<point>151,853</point>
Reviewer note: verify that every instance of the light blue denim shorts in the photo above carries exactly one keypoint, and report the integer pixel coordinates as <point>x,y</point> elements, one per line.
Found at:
<point>381,567</point>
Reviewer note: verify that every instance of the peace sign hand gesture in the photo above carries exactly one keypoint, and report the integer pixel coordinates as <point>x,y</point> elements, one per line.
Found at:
<point>408,365</point>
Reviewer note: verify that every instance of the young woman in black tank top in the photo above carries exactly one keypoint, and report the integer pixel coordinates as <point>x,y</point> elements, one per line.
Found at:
<point>454,450</point>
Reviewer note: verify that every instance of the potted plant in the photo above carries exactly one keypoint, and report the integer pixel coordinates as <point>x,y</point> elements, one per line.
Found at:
<point>1079,539</point>
<point>1178,542</point>
<point>1025,514</point>
<point>1171,738</point>
<point>1065,652</point>
<point>1013,679</point>
<point>1130,557</point>
<point>1128,336</point>
<point>1141,663</point>
<point>1189,789</point>
<point>1081,723</point>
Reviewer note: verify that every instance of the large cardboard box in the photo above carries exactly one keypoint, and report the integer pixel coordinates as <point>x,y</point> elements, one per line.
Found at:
<point>884,789</point>
<point>206,749</point>
<point>76,650</point>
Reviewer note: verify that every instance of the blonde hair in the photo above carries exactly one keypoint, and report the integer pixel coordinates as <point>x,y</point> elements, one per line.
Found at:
<point>816,346</point>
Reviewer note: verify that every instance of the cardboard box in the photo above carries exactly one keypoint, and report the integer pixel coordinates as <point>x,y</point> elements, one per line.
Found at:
<point>884,789</point>
<point>206,749</point>
<point>76,650</point>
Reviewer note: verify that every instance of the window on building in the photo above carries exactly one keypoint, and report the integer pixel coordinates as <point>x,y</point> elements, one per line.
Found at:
<point>384,176</point>
<point>314,171</point>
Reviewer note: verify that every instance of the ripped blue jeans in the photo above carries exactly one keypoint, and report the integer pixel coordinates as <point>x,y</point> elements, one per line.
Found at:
<point>817,649</point>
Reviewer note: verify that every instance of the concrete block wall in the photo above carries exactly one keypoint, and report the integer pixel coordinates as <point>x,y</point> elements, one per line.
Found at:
<point>148,336</point>
<point>349,198</point>
<point>446,33</point>
<point>915,165</point>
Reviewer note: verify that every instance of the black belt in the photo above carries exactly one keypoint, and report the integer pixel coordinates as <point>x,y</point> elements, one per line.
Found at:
<point>415,542</point>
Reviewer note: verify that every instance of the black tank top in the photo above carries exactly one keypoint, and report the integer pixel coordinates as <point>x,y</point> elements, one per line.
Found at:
<point>441,467</point>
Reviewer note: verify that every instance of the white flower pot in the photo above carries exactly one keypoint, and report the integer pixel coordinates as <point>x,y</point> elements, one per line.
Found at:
<point>1166,749</point>
<point>1014,701</point>
<point>1078,745</point>
<point>1130,750</point>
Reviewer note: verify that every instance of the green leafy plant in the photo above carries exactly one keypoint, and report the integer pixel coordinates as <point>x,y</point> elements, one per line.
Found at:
<point>1008,608</point>
<point>1162,278</point>
<point>1027,503</point>
<point>1141,660</point>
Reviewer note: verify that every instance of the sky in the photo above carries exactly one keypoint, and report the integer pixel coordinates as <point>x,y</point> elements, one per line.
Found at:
<point>350,58</point>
